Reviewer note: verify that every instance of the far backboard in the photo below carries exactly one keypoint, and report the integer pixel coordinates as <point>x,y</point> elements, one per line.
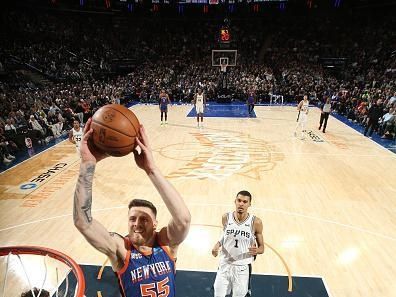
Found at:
<point>221,57</point>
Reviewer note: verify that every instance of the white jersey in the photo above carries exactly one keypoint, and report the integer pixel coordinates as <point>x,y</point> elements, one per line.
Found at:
<point>77,137</point>
<point>236,241</point>
<point>305,106</point>
<point>199,103</point>
<point>199,100</point>
<point>304,112</point>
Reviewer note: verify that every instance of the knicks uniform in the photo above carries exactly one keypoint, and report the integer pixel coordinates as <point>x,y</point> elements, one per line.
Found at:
<point>199,103</point>
<point>147,275</point>
<point>250,99</point>
<point>164,103</point>
<point>77,137</point>
<point>235,262</point>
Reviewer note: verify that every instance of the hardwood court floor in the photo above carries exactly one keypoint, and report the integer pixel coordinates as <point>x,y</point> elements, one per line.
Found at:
<point>328,206</point>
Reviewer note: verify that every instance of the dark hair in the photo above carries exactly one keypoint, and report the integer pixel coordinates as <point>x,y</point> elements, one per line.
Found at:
<point>144,203</point>
<point>245,193</point>
<point>44,293</point>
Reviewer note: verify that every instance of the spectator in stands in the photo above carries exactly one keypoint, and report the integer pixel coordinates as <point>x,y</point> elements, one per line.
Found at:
<point>387,123</point>
<point>374,114</point>
<point>35,125</point>
<point>10,127</point>
<point>5,155</point>
<point>54,107</point>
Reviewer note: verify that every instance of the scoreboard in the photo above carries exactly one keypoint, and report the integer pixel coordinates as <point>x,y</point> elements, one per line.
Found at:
<point>225,35</point>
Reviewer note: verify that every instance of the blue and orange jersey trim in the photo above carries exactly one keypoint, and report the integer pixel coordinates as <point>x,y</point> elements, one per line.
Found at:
<point>147,273</point>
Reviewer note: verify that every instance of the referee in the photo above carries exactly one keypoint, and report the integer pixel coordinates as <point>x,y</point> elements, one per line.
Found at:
<point>324,116</point>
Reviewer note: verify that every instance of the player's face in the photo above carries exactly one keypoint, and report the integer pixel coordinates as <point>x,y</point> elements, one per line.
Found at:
<point>141,224</point>
<point>76,125</point>
<point>242,203</point>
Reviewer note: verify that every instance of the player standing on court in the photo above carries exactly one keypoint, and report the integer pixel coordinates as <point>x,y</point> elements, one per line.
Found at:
<point>163,106</point>
<point>250,102</point>
<point>200,103</point>
<point>144,260</point>
<point>303,109</point>
<point>76,134</point>
<point>241,241</point>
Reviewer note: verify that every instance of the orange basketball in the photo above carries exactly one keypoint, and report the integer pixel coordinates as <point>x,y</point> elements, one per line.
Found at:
<point>115,129</point>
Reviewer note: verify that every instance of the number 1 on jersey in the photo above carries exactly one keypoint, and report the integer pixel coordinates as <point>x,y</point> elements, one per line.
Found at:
<point>236,243</point>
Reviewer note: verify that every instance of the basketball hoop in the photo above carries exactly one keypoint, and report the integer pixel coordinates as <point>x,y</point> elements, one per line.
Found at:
<point>42,251</point>
<point>223,68</point>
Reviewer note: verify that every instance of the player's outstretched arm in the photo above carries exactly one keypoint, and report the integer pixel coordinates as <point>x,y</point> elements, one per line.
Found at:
<point>94,232</point>
<point>179,225</point>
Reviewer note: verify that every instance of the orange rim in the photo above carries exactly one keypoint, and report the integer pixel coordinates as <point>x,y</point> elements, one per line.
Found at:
<point>43,251</point>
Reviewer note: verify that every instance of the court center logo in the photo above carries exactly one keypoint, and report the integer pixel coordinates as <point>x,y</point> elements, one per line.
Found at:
<point>217,155</point>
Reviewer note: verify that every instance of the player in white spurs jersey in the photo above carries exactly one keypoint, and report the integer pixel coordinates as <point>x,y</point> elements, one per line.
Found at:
<point>75,135</point>
<point>303,109</point>
<point>200,103</point>
<point>241,242</point>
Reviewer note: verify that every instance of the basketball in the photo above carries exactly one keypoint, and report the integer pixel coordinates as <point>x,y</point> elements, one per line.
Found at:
<point>115,129</point>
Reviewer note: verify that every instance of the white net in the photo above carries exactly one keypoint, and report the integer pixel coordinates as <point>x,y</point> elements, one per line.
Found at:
<point>20,273</point>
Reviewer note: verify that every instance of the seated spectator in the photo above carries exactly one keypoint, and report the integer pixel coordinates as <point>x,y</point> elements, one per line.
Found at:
<point>53,107</point>
<point>35,125</point>
<point>79,111</point>
<point>387,124</point>
<point>10,127</point>
<point>392,100</point>
<point>54,124</point>
<point>5,155</point>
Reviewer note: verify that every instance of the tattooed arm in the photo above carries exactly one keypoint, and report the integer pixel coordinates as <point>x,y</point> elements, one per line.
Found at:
<point>94,232</point>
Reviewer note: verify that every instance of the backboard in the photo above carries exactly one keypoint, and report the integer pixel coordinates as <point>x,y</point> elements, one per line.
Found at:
<point>224,57</point>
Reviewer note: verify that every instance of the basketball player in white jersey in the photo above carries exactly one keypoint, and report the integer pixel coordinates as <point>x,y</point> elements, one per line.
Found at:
<point>75,135</point>
<point>303,109</point>
<point>241,242</point>
<point>200,103</point>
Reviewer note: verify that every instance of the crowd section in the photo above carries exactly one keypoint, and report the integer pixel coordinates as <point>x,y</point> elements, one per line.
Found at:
<point>86,61</point>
